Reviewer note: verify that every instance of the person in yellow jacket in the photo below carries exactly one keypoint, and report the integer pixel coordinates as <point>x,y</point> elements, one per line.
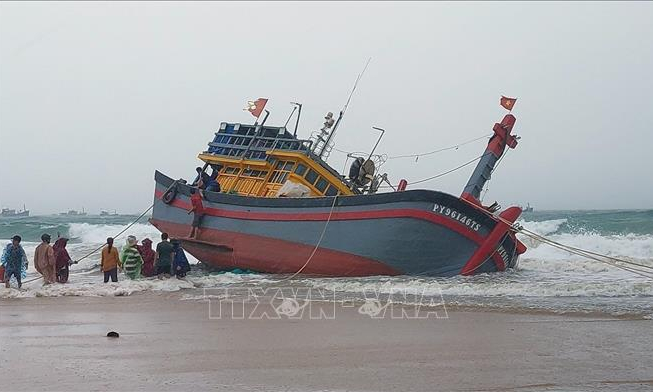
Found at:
<point>110,261</point>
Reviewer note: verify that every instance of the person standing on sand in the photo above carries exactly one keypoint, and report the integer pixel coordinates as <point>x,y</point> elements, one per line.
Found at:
<point>62,260</point>
<point>148,254</point>
<point>110,261</point>
<point>44,260</point>
<point>180,265</point>
<point>132,262</point>
<point>15,262</point>
<point>163,256</point>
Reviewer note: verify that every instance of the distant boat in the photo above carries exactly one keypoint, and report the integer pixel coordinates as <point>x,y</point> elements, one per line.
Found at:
<point>11,213</point>
<point>74,213</point>
<point>528,208</point>
<point>107,213</point>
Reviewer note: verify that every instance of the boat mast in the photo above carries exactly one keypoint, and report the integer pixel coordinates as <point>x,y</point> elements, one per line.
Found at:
<point>323,149</point>
<point>494,150</point>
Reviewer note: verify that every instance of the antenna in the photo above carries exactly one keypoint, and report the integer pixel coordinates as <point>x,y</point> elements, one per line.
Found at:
<point>377,141</point>
<point>296,105</point>
<point>289,117</point>
<point>325,147</point>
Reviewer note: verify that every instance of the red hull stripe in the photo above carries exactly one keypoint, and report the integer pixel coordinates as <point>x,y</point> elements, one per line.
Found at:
<point>335,216</point>
<point>272,255</point>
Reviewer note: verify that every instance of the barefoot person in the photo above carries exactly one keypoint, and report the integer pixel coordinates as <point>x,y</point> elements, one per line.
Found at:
<point>62,260</point>
<point>44,260</point>
<point>132,262</point>
<point>110,261</point>
<point>197,210</point>
<point>14,260</point>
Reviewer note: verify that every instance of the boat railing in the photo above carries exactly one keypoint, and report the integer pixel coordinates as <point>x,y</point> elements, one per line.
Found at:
<point>253,147</point>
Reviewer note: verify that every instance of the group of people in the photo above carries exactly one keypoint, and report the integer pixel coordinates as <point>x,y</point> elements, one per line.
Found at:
<point>138,261</point>
<point>53,262</point>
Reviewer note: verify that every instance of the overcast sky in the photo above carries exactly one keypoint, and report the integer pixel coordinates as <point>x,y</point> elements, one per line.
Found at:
<point>95,96</point>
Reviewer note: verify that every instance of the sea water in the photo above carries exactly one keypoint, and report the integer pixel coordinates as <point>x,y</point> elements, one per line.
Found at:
<point>546,279</point>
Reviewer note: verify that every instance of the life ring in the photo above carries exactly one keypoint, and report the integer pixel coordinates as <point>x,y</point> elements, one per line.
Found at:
<point>170,194</point>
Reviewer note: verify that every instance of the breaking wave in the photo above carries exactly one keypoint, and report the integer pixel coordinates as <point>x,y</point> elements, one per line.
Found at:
<point>98,233</point>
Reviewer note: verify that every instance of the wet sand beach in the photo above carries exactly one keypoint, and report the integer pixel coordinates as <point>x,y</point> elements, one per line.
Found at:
<point>170,344</point>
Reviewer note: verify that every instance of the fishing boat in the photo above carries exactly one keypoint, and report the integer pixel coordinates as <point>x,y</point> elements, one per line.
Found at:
<point>11,213</point>
<point>73,213</point>
<point>107,213</point>
<point>282,209</point>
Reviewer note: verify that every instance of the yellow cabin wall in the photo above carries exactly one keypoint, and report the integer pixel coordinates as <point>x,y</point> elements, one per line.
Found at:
<point>261,186</point>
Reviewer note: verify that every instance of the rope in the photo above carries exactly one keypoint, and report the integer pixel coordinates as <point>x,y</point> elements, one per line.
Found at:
<point>444,173</point>
<point>454,147</point>
<point>117,235</point>
<point>632,267</point>
<point>317,245</point>
<point>448,171</point>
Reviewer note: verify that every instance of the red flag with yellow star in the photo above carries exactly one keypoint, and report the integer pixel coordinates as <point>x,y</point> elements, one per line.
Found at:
<point>508,103</point>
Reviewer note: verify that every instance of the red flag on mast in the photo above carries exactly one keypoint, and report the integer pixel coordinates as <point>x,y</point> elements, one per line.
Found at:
<point>256,107</point>
<point>508,103</point>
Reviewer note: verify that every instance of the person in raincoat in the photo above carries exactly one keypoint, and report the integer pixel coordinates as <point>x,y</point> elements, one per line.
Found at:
<point>180,265</point>
<point>132,262</point>
<point>62,260</point>
<point>147,253</point>
<point>14,261</point>
<point>44,260</point>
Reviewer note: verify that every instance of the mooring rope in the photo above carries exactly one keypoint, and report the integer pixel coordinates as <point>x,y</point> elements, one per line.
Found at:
<point>633,267</point>
<point>317,245</point>
<point>117,235</point>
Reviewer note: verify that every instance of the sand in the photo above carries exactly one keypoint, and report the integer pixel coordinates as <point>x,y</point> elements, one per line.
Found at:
<point>170,344</point>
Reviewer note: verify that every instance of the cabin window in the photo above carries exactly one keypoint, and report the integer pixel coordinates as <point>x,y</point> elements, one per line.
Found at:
<point>331,191</point>
<point>311,176</point>
<point>300,169</point>
<point>321,185</point>
<point>231,170</point>
<point>280,174</point>
<point>254,173</point>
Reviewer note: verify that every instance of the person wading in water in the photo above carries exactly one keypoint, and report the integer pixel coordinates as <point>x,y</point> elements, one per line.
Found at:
<point>44,260</point>
<point>110,261</point>
<point>163,257</point>
<point>14,260</point>
<point>132,262</point>
<point>62,260</point>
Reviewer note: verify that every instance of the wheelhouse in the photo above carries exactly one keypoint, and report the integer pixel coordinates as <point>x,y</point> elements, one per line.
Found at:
<point>257,160</point>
